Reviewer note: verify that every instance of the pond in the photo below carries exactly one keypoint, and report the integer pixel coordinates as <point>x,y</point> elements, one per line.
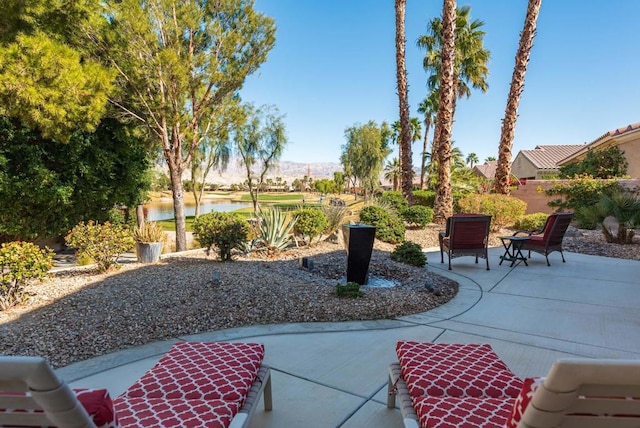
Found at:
<point>164,210</point>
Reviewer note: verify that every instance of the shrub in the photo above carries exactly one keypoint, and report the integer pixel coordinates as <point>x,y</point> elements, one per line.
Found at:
<point>418,215</point>
<point>502,209</point>
<point>395,199</point>
<point>148,232</point>
<point>350,290</point>
<point>226,231</point>
<point>275,229</point>
<point>310,223</point>
<point>335,217</point>
<point>410,253</point>
<point>533,221</point>
<point>389,227</point>
<point>625,208</point>
<point>102,243</point>
<point>20,262</point>
<point>424,197</point>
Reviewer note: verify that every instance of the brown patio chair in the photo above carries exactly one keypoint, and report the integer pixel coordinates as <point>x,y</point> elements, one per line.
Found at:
<point>465,235</point>
<point>549,239</point>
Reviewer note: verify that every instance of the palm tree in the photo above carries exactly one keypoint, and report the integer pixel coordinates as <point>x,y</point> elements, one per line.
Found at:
<point>490,159</point>
<point>428,107</point>
<point>443,206</point>
<point>503,169</point>
<point>472,159</point>
<point>403,102</point>
<point>392,172</point>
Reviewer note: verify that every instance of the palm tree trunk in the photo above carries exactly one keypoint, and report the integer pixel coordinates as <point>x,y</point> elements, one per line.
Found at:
<point>443,206</point>
<point>403,101</point>
<point>503,169</point>
<point>427,125</point>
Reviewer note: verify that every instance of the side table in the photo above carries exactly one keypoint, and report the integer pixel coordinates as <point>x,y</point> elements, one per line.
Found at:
<point>513,249</point>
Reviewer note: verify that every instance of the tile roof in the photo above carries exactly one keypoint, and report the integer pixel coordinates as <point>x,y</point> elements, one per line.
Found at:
<point>547,157</point>
<point>601,139</point>
<point>487,170</point>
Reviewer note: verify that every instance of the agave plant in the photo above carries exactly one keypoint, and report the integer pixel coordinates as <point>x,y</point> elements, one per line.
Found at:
<point>625,207</point>
<point>336,217</point>
<point>275,229</point>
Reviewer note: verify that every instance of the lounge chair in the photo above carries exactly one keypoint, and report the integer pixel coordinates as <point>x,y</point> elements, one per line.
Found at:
<point>576,393</point>
<point>465,235</point>
<point>193,385</point>
<point>549,238</point>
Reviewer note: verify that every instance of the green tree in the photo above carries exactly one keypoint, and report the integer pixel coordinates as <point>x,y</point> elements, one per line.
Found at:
<point>392,172</point>
<point>339,179</point>
<point>259,142</point>
<point>47,78</point>
<point>472,159</point>
<point>177,61</point>
<point>606,163</point>
<point>366,148</point>
<point>428,107</point>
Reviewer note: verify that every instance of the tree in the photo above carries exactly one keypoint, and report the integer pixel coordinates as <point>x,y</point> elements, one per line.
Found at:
<point>403,102</point>
<point>392,172</point>
<point>259,141</point>
<point>177,61</point>
<point>339,179</point>
<point>362,156</point>
<point>428,107</point>
<point>472,159</point>
<point>443,205</point>
<point>490,159</point>
<point>605,163</point>
<point>503,168</point>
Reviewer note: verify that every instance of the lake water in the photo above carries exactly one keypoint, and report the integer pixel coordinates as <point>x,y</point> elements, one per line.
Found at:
<point>164,210</point>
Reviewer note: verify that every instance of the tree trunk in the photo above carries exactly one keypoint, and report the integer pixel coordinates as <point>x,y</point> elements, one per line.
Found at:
<point>427,125</point>
<point>443,206</point>
<point>503,169</point>
<point>139,215</point>
<point>403,101</point>
<point>178,207</point>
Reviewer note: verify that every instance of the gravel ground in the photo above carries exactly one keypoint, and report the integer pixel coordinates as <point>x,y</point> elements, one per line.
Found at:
<point>80,314</point>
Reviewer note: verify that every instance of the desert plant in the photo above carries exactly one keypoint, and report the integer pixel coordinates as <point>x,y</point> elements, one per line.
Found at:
<point>275,227</point>
<point>310,223</point>
<point>389,227</point>
<point>625,207</point>
<point>530,222</point>
<point>103,243</point>
<point>148,232</point>
<point>584,191</point>
<point>350,290</point>
<point>336,216</point>
<point>410,253</point>
<point>418,215</point>
<point>502,209</point>
<point>395,199</point>
<point>227,231</point>
<point>19,263</point>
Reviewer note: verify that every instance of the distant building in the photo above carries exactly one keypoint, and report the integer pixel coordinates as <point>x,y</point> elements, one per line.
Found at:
<point>627,139</point>
<point>486,170</point>
<point>542,161</point>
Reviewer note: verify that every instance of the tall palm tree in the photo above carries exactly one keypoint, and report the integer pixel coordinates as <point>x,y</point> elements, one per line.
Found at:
<point>443,205</point>
<point>428,107</point>
<point>392,172</point>
<point>403,102</point>
<point>490,159</point>
<point>472,159</point>
<point>503,169</point>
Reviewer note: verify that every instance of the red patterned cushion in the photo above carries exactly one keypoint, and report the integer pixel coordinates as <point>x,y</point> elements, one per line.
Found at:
<point>455,370</point>
<point>521,403</point>
<point>469,412</point>
<point>98,404</point>
<point>202,371</point>
<point>161,412</point>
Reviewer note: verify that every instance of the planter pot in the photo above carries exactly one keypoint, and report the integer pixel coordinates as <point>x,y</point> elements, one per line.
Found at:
<point>358,241</point>
<point>148,252</point>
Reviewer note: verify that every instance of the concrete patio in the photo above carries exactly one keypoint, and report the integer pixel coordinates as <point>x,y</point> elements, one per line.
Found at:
<point>335,374</point>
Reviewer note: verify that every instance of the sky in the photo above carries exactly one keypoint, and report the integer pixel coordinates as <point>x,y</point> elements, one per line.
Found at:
<point>333,66</point>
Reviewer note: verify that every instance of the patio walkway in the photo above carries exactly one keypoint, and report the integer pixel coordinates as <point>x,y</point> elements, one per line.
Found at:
<point>335,374</point>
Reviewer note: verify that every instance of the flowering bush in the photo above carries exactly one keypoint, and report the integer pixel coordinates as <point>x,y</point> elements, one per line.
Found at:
<point>19,262</point>
<point>102,243</point>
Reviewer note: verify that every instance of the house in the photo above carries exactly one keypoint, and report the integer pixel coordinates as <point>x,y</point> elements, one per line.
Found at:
<point>486,170</point>
<point>542,161</point>
<point>627,139</point>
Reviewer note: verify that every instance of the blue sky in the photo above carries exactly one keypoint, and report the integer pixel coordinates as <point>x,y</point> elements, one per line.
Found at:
<point>333,66</point>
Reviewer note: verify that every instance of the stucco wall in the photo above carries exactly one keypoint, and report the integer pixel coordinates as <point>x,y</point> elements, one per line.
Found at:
<point>523,168</point>
<point>631,151</point>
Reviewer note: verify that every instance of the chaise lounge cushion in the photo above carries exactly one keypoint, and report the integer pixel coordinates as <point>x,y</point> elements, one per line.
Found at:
<point>456,412</point>
<point>202,371</point>
<point>529,387</point>
<point>455,370</point>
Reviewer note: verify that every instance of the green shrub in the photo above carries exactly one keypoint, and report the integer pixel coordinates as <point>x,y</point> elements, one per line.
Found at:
<point>20,262</point>
<point>227,231</point>
<point>424,197</point>
<point>103,243</point>
<point>350,290</point>
<point>275,229</point>
<point>410,253</point>
<point>310,223</point>
<point>533,221</point>
<point>389,227</point>
<point>418,215</point>
<point>502,209</point>
<point>581,195</point>
<point>395,199</point>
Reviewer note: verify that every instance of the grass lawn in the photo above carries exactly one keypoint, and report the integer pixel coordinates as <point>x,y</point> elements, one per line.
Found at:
<point>265,197</point>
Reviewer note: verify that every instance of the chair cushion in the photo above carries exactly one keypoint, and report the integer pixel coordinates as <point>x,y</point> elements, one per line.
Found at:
<point>454,412</point>
<point>529,387</point>
<point>455,370</point>
<point>162,412</point>
<point>202,371</point>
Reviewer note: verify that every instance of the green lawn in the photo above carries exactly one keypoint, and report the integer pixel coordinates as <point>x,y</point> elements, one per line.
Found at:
<point>265,197</point>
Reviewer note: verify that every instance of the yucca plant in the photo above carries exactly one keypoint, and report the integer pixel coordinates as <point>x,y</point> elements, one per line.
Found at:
<point>625,207</point>
<point>336,216</point>
<point>275,229</point>
<point>148,232</point>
